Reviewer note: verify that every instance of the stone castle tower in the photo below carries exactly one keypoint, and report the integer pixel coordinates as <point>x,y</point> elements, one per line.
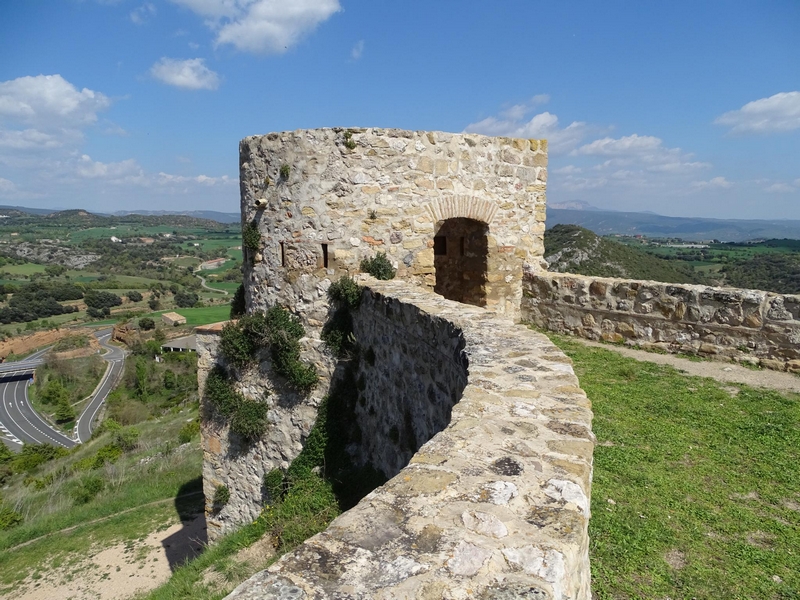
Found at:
<point>462,214</point>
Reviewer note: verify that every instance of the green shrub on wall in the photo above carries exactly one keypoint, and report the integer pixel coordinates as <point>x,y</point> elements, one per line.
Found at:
<point>274,484</point>
<point>276,329</point>
<point>220,392</point>
<point>345,292</point>
<point>240,343</point>
<point>378,266</point>
<point>237,303</point>
<point>251,237</point>
<point>237,346</point>
<point>249,420</point>
<point>221,495</point>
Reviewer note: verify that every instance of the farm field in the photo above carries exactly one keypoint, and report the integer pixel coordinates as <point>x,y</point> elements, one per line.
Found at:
<point>122,231</point>
<point>194,316</point>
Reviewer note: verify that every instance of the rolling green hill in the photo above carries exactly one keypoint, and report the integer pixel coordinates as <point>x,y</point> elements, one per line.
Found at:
<point>573,249</point>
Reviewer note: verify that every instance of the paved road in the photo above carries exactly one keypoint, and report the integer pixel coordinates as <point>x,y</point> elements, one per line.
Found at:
<point>208,287</point>
<point>115,357</point>
<point>21,424</point>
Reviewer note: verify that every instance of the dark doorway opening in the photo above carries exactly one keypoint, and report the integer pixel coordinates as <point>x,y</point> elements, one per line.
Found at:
<point>460,257</point>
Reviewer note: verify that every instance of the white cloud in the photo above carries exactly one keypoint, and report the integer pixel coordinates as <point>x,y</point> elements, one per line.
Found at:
<point>623,146</point>
<point>780,188</point>
<point>6,186</point>
<point>544,125</point>
<point>358,50</point>
<point>167,179</point>
<point>126,171</point>
<point>191,74</point>
<point>645,150</point>
<point>27,139</point>
<point>777,113</point>
<point>142,14</point>
<point>518,111</point>
<point>262,26</point>
<point>49,101</point>
<point>567,170</point>
<point>713,183</point>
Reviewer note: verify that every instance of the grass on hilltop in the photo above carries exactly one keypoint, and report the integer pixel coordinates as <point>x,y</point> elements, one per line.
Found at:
<point>696,490</point>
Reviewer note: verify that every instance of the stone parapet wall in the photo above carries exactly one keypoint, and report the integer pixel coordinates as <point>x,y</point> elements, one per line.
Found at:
<point>495,504</point>
<point>749,326</point>
<point>325,199</point>
<point>412,371</point>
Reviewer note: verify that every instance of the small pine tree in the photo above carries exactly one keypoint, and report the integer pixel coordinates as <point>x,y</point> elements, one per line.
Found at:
<point>64,410</point>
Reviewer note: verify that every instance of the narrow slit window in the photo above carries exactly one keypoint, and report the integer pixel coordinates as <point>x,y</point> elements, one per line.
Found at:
<point>283,255</point>
<point>440,245</point>
<point>325,255</point>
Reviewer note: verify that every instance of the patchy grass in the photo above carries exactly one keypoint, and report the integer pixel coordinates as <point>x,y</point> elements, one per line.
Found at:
<point>156,469</point>
<point>696,491</point>
<point>25,269</point>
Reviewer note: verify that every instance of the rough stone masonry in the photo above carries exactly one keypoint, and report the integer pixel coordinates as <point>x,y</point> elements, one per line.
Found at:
<point>480,425</point>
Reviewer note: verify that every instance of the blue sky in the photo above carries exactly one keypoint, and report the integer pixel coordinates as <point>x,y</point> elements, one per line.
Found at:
<point>681,108</point>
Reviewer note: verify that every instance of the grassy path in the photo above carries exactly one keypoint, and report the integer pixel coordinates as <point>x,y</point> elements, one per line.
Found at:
<point>718,370</point>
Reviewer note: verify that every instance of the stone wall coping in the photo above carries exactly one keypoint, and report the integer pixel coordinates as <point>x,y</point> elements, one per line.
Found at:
<point>700,287</point>
<point>445,136</point>
<point>494,506</point>
<point>211,327</point>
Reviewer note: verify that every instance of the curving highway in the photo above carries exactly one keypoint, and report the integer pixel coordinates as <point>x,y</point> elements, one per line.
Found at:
<point>115,357</point>
<point>21,424</point>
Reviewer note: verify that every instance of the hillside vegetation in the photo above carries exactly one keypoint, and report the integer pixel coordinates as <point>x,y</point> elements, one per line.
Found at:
<point>573,249</point>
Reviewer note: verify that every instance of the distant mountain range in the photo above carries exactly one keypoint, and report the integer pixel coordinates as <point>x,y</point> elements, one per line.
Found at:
<point>211,215</point>
<point>576,212</point>
<point>604,222</point>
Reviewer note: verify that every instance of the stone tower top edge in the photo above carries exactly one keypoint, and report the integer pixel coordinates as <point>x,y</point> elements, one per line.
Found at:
<point>397,132</point>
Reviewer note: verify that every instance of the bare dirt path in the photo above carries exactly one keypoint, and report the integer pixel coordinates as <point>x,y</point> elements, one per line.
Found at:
<point>721,371</point>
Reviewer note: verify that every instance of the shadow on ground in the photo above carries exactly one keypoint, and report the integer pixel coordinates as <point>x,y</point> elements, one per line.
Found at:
<point>191,540</point>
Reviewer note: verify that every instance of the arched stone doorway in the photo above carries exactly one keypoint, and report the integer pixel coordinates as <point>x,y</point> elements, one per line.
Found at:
<point>460,258</point>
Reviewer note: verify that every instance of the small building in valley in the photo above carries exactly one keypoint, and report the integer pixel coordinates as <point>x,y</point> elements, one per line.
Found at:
<point>173,319</point>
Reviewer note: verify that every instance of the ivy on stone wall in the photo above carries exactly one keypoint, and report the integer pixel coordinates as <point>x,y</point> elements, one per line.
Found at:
<point>278,330</point>
<point>248,418</point>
